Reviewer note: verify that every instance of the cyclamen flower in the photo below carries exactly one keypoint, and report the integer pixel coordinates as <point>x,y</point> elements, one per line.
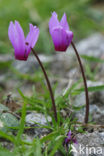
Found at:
<point>22,46</point>
<point>70,138</point>
<point>61,35</point>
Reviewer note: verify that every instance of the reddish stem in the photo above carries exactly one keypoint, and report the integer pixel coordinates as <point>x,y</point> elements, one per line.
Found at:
<point>85,83</point>
<point>48,83</point>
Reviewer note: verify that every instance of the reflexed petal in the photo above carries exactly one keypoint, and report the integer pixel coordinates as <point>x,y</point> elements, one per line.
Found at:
<point>31,38</point>
<point>61,38</point>
<point>22,46</point>
<point>68,137</point>
<point>64,22</point>
<point>20,50</point>
<point>69,133</point>
<point>28,38</point>
<point>13,35</point>
<point>20,39</point>
<point>53,22</point>
<point>35,36</point>
<point>17,39</point>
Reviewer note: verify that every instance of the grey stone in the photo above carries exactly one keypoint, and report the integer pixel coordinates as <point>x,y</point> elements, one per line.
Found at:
<point>89,140</point>
<point>94,83</point>
<point>3,108</point>
<point>80,100</point>
<point>31,64</point>
<point>96,100</point>
<point>8,120</point>
<point>6,57</point>
<point>91,46</point>
<point>35,118</point>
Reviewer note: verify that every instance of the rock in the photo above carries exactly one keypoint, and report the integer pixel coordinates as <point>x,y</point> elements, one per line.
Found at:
<point>3,108</point>
<point>96,104</point>
<point>87,141</point>
<point>6,58</point>
<point>31,64</point>
<point>80,100</point>
<point>94,83</point>
<point>8,145</point>
<point>35,118</point>
<point>74,73</point>
<point>96,114</point>
<point>91,46</point>
<point>65,65</point>
<point>97,98</point>
<point>8,120</point>
<point>62,63</point>
<point>2,78</point>
<point>3,81</point>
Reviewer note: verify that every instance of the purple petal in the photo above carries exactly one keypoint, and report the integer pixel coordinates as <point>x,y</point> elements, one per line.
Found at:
<point>11,33</point>
<point>69,134</point>
<point>67,141</point>
<point>21,38</point>
<point>17,39</point>
<point>28,38</point>
<point>33,35</point>
<point>31,38</point>
<point>61,38</point>
<point>75,140</point>
<point>53,22</point>
<point>64,22</point>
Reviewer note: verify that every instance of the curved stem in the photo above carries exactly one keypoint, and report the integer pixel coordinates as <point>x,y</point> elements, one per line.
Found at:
<point>85,83</point>
<point>48,83</point>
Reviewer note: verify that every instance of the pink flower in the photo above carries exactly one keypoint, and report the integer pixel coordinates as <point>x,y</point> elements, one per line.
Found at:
<point>61,35</point>
<point>22,46</point>
<point>70,138</point>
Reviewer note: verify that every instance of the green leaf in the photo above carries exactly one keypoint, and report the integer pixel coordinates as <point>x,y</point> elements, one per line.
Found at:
<point>6,136</point>
<point>37,148</point>
<point>78,108</point>
<point>5,152</point>
<point>92,59</point>
<point>49,136</point>
<point>22,124</point>
<point>90,89</point>
<point>75,85</point>
<point>57,143</point>
<point>5,65</point>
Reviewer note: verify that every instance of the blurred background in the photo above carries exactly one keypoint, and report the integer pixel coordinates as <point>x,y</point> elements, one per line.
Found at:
<point>23,81</point>
<point>84,16</point>
<point>20,80</point>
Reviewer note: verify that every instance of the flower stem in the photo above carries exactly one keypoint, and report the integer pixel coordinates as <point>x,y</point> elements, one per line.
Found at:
<point>85,83</point>
<point>48,84</point>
